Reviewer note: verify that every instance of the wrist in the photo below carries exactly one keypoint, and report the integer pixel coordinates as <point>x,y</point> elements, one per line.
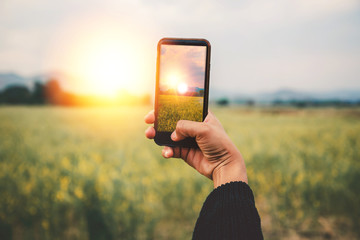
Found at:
<point>231,170</point>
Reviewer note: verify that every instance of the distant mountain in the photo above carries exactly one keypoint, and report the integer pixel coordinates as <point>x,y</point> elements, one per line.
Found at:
<point>216,94</point>
<point>11,79</point>
<point>345,94</point>
<point>283,95</point>
<point>195,89</point>
<point>8,79</point>
<point>287,95</point>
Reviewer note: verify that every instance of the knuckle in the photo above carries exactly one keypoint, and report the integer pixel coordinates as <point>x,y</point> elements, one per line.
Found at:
<point>180,125</point>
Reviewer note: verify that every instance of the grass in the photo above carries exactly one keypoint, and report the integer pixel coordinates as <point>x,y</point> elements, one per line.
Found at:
<point>89,173</point>
<point>172,108</point>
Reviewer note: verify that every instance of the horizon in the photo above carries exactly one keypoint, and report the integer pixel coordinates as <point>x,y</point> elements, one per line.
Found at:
<point>43,78</point>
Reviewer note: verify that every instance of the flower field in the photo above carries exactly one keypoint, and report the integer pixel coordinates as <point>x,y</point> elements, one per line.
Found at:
<point>89,173</point>
<point>172,108</point>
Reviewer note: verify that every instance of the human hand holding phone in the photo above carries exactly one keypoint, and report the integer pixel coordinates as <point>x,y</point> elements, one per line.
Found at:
<point>216,158</point>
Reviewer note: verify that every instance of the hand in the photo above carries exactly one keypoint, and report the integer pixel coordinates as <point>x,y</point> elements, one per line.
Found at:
<point>216,158</point>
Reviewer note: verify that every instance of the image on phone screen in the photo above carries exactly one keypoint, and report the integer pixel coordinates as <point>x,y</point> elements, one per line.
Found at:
<point>181,85</point>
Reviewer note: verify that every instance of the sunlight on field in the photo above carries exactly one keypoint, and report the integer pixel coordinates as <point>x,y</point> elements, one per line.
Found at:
<point>71,173</point>
<point>172,108</point>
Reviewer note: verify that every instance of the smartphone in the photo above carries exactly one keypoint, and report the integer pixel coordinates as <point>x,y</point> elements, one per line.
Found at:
<point>182,86</point>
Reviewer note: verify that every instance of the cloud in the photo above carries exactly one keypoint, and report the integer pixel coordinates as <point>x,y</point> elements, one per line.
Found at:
<point>186,62</point>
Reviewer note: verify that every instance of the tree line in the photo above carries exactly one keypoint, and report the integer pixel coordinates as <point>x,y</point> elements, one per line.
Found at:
<point>52,93</point>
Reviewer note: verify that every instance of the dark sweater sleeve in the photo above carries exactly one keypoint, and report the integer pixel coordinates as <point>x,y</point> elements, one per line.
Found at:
<point>229,212</point>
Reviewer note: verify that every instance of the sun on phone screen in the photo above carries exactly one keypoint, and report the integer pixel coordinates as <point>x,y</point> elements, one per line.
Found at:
<point>181,85</point>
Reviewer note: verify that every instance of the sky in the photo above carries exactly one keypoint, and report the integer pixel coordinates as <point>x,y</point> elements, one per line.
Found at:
<point>257,45</point>
<point>181,64</point>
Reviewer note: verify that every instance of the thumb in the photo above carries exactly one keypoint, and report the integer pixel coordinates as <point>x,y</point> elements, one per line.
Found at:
<point>211,119</point>
<point>186,128</point>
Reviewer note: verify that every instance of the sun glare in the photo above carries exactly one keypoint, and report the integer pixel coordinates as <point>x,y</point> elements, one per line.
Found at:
<point>173,80</point>
<point>105,69</point>
<point>182,88</point>
<point>103,61</point>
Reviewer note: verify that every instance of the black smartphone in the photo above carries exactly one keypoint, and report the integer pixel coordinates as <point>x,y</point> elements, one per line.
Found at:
<point>182,86</point>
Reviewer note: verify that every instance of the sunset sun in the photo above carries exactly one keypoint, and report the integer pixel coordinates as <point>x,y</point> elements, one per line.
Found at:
<point>106,69</point>
<point>182,88</point>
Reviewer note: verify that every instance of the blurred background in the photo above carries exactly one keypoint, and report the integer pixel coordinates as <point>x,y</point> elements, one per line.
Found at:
<point>77,78</point>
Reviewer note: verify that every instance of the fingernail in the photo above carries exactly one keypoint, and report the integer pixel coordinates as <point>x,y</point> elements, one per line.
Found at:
<point>173,135</point>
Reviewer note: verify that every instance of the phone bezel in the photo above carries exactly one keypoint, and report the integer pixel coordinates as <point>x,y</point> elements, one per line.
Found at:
<point>163,138</point>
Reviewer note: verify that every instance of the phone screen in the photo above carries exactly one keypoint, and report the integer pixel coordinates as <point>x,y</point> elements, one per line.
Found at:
<point>182,71</point>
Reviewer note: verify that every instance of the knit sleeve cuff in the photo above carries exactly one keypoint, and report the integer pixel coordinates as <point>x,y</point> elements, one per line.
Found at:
<point>234,193</point>
<point>229,212</point>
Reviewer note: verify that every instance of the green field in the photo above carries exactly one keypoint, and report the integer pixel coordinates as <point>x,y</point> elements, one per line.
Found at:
<point>89,173</point>
<point>172,108</point>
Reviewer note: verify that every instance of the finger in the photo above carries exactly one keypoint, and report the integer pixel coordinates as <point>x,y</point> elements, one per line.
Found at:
<point>208,116</point>
<point>150,117</point>
<point>212,120</point>
<point>186,128</point>
<point>184,152</point>
<point>150,132</point>
<point>167,152</point>
<point>180,152</point>
<point>191,158</point>
<point>177,152</point>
